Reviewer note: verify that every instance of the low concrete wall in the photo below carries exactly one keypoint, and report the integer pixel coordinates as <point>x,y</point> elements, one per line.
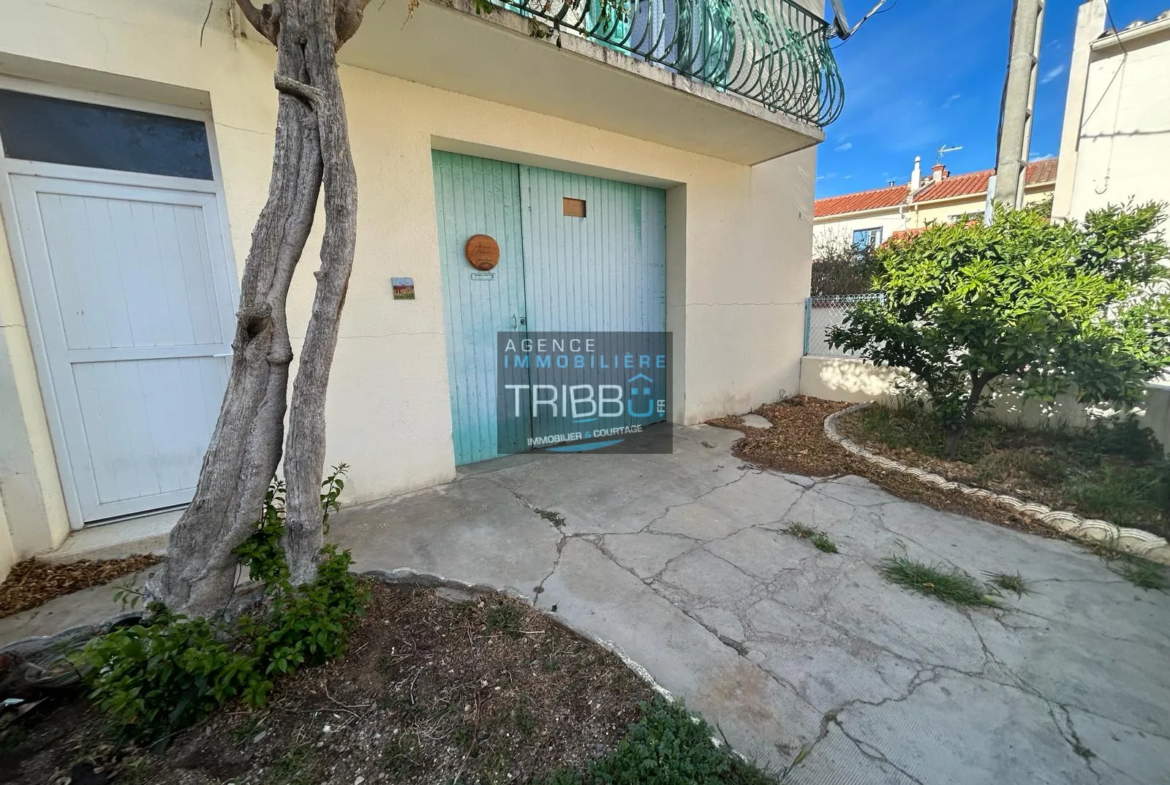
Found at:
<point>847,379</point>
<point>854,381</point>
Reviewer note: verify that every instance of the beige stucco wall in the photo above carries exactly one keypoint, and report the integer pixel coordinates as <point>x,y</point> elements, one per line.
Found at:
<point>1123,148</point>
<point>856,381</point>
<point>738,265</point>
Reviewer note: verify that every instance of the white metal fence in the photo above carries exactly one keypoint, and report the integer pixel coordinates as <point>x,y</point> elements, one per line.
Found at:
<point>821,314</point>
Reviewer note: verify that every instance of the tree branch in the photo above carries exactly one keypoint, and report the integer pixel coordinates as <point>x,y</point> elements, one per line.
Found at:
<point>349,18</point>
<point>307,93</point>
<point>266,19</point>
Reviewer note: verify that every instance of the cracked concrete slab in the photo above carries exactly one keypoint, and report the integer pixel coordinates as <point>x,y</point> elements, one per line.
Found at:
<point>681,562</point>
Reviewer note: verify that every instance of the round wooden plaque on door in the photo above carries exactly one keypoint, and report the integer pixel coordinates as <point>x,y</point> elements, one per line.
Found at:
<point>482,251</point>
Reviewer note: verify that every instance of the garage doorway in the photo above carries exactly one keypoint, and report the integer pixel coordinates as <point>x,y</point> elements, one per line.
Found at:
<point>576,253</point>
<point>115,219</point>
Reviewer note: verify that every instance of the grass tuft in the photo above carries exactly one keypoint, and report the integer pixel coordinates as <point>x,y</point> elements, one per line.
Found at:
<point>800,530</point>
<point>948,585</point>
<point>505,617</point>
<point>1143,574</point>
<point>822,542</point>
<point>818,538</point>
<point>1008,582</point>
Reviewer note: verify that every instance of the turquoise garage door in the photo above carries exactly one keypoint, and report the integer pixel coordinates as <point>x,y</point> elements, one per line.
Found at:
<point>576,253</point>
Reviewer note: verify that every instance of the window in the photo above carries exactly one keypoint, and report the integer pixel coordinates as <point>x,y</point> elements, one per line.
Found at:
<point>53,130</point>
<point>867,238</point>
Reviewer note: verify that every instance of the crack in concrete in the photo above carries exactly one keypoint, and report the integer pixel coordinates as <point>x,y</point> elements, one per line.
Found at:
<point>992,670</point>
<point>1069,734</point>
<point>670,507</point>
<point>873,753</point>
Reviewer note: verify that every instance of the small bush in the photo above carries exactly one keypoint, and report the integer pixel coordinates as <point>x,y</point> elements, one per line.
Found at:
<point>162,675</point>
<point>158,677</point>
<point>666,746</point>
<point>840,267</point>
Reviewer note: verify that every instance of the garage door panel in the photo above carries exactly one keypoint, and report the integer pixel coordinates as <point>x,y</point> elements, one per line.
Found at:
<point>604,272</point>
<point>477,196</point>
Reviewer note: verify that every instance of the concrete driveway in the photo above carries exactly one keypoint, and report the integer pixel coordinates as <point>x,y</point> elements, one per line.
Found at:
<point>679,562</point>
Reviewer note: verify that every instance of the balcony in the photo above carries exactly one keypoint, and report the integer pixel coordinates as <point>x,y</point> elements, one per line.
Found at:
<point>741,80</point>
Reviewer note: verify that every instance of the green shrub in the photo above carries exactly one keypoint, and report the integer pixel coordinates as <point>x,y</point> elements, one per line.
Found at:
<point>170,671</point>
<point>1024,303</point>
<point>262,553</point>
<point>840,267</point>
<point>666,746</point>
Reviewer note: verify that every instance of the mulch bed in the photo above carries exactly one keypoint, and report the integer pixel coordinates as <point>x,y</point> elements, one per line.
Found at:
<point>433,689</point>
<point>33,582</point>
<point>796,444</point>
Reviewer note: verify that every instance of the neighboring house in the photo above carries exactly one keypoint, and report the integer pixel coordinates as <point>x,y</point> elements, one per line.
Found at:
<point>872,217</point>
<point>667,188</point>
<point>1115,143</point>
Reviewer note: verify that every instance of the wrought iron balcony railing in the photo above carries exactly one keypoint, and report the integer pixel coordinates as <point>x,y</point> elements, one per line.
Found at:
<point>772,51</point>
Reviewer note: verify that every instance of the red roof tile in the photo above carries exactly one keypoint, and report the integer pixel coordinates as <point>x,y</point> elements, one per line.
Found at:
<point>976,182</point>
<point>951,187</point>
<point>891,196</point>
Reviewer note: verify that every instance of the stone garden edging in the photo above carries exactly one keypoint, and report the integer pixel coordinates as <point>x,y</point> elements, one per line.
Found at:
<point>1135,541</point>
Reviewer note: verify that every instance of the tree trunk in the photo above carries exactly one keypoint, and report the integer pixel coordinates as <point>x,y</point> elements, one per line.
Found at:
<point>304,459</point>
<point>979,382</point>
<point>200,572</point>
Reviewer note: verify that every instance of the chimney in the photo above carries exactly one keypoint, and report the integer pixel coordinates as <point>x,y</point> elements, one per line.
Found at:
<point>916,175</point>
<point>938,173</point>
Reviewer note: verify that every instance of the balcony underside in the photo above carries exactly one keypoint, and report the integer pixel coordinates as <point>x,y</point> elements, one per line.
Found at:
<point>495,57</point>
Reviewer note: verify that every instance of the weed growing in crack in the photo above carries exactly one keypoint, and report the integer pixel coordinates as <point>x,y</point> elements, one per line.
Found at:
<point>1017,583</point>
<point>555,518</point>
<point>800,531</point>
<point>948,585</point>
<point>1143,574</point>
<point>822,543</point>
<point>1138,571</point>
<point>818,538</point>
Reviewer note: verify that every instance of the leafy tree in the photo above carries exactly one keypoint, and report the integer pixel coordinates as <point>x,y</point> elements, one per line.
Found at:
<point>1023,303</point>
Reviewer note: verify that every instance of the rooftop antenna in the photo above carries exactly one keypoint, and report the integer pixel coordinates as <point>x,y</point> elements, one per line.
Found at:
<point>944,150</point>
<point>841,28</point>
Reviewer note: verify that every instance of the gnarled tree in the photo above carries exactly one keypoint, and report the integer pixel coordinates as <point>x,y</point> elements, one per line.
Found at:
<point>312,151</point>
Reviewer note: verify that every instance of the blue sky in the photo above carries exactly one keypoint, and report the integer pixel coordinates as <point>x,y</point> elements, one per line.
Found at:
<point>930,72</point>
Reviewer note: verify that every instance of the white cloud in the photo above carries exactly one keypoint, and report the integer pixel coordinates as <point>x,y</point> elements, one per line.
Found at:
<point>1051,74</point>
<point>951,100</point>
<point>843,147</point>
<point>1044,157</point>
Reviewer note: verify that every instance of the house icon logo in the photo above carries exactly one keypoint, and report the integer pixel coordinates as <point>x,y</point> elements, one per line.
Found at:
<point>641,396</point>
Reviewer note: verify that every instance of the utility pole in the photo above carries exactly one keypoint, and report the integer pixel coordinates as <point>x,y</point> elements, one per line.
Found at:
<point>1019,101</point>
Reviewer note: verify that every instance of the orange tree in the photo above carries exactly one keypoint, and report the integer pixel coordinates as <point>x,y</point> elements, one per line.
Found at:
<point>1021,303</point>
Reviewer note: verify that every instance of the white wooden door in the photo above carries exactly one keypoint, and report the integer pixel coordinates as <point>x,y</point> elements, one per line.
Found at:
<point>131,290</point>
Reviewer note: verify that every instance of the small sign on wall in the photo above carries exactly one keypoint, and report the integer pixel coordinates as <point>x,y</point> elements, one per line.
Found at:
<point>403,288</point>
